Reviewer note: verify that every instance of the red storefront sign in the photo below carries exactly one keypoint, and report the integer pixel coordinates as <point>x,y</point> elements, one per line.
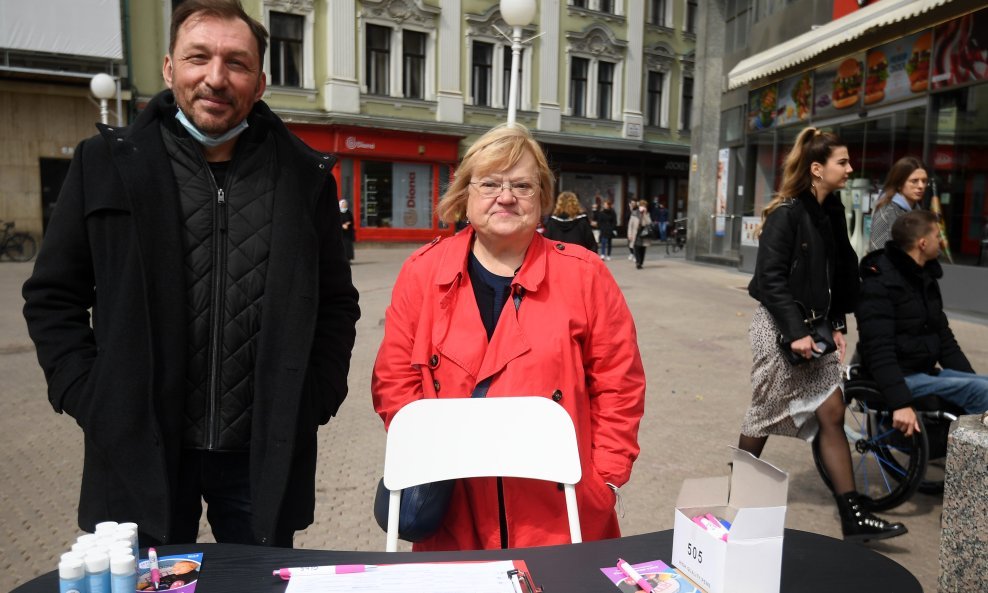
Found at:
<point>378,145</point>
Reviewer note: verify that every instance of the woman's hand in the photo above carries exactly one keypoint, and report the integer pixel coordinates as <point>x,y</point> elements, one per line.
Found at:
<point>841,344</point>
<point>803,347</point>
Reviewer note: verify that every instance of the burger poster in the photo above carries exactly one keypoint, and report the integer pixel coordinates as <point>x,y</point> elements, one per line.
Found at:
<point>795,100</point>
<point>762,104</point>
<point>838,87</point>
<point>897,70</point>
<point>960,54</point>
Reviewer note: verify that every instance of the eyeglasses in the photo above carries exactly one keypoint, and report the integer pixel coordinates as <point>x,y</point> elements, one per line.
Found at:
<point>493,189</point>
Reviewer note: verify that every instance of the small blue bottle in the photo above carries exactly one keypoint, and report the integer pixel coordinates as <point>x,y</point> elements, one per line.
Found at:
<point>123,574</point>
<point>72,576</point>
<point>98,571</point>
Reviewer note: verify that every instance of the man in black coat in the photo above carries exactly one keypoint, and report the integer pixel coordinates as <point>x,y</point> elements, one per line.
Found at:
<point>205,240</point>
<point>904,331</point>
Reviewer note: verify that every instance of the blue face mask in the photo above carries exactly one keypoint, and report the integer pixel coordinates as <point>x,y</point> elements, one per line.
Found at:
<point>210,141</point>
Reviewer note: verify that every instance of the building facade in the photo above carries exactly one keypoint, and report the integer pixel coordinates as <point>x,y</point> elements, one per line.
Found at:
<point>398,89</point>
<point>891,77</point>
<point>46,108</point>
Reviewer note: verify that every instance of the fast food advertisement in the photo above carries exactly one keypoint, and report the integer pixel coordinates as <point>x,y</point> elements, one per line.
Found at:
<point>838,86</point>
<point>896,70</point>
<point>795,100</point>
<point>762,104</point>
<point>960,53</point>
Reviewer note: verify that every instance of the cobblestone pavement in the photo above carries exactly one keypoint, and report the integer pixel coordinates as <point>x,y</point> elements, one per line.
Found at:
<point>692,328</point>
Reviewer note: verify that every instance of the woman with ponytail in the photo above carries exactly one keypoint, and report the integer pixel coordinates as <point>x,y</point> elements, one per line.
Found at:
<point>806,269</point>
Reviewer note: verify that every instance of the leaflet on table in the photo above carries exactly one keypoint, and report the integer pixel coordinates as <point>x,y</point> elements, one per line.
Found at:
<point>662,577</point>
<point>503,576</point>
<point>178,573</point>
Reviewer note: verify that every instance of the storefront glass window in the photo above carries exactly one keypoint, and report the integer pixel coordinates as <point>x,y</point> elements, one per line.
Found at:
<point>396,195</point>
<point>762,152</point>
<point>960,163</point>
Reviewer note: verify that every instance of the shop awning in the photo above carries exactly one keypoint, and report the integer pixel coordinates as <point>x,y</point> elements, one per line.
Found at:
<point>812,43</point>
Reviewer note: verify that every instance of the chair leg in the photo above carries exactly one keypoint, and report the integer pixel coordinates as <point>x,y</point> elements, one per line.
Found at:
<point>394,506</point>
<point>573,514</point>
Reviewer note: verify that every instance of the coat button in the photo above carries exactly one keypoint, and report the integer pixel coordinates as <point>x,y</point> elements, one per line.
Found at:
<point>434,361</point>
<point>560,246</point>
<point>435,385</point>
<point>557,395</point>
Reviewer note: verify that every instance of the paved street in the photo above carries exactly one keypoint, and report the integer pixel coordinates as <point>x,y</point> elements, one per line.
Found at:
<point>692,328</point>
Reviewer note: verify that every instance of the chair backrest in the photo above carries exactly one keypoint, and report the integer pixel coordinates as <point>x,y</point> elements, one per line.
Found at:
<point>431,440</point>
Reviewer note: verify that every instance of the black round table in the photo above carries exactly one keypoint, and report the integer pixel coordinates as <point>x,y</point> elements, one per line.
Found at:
<point>811,563</point>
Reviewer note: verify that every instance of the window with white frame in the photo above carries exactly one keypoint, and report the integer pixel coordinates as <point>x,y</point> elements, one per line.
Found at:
<point>580,3</point>
<point>398,39</point>
<point>378,63</point>
<point>605,89</point>
<point>286,49</point>
<point>489,54</point>
<point>686,105</point>
<point>657,12</point>
<point>692,12</point>
<point>578,81</point>
<point>605,6</point>
<point>413,66</point>
<point>290,58</point>
<point>653,99</point>
<point>481,73</point>
<point>595,72</point>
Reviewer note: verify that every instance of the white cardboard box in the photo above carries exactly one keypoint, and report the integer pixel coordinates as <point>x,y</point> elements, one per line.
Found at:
<point>753,499</point>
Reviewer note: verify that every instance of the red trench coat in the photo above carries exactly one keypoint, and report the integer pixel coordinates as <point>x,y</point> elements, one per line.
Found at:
<point>572,340</point>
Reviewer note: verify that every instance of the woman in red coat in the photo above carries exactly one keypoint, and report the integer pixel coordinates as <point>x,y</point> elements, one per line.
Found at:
<point>497,311</point>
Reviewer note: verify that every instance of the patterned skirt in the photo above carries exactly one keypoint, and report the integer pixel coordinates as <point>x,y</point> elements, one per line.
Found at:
<point>784,398</point>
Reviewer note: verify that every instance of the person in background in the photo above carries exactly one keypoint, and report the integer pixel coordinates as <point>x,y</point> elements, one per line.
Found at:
<point>639,225</point>
<point>349,234</point>
<point>569,223</point>
<point>806,268</point>
<point>903,191</point>
<point>904,331</point>
<point>607,225</point>
<point>498,310</point>
<point>192,306</point>
<point>662,220</point>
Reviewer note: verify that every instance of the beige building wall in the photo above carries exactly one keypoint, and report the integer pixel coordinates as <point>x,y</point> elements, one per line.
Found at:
<point>37,120</point>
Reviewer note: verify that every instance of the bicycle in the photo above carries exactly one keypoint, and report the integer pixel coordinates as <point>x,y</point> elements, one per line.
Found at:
<point>17,246</point>
<point>677,236</point>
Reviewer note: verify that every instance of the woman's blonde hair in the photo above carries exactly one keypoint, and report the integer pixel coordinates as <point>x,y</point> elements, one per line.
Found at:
<point>497,150</point>
<point>811,146</point>
<point>567,203</point>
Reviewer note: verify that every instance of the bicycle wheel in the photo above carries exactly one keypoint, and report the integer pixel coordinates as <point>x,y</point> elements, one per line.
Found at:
<point>21,247</point>
<point>888,466</point>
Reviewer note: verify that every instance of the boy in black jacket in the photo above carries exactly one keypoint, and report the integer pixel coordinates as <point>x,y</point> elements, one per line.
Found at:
<point>904,331</point>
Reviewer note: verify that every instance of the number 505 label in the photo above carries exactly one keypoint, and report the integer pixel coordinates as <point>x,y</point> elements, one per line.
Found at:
<point>694,552</point>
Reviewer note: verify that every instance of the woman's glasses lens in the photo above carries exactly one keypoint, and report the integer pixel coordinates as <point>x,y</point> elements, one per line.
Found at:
<point>491,189</point>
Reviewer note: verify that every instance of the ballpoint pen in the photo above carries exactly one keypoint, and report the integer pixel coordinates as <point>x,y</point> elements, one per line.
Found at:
<point>155,574</point>
<point>639,580</point>
<point>287,573</point>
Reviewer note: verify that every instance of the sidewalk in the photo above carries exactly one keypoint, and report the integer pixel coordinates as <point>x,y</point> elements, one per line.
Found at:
<point>692,325</point>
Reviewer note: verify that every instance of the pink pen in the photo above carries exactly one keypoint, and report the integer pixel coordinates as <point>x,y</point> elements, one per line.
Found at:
<point>155,573</point>
<point>299,571</point>
<point>639,580</point>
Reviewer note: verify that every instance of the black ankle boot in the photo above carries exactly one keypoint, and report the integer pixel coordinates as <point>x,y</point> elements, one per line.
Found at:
<point>859,525</point>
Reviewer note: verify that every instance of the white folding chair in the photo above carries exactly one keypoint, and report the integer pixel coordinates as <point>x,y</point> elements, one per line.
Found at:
<point>430,440</point>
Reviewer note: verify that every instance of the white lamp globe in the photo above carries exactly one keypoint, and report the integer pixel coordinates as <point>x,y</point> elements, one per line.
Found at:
<point>103,86</point>
<point>518,13</point>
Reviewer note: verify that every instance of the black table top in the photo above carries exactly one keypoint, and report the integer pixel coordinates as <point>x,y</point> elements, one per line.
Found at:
<point>811,563</point>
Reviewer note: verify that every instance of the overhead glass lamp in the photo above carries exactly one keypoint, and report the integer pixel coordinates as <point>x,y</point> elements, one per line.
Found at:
<point>104,88</point>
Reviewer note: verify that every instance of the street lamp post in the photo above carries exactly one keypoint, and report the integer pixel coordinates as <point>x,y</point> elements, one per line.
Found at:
<point>518,14</point>
<point>104,88</point>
